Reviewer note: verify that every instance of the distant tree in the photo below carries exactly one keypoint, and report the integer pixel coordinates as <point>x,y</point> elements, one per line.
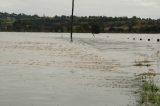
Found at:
<point>85,24</point>
<point>95,28</point>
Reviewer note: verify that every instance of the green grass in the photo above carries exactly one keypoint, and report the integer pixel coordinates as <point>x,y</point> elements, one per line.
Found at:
<point>150,92</point>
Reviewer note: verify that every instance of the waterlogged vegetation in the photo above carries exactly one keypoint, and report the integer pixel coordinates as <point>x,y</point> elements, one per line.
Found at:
<point>142,63</point>
<point>149,91</point>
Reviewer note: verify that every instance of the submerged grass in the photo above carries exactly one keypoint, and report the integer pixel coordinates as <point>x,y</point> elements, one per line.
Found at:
<point>143,63</point>
<point>140,64</point>
<point>149,92</point>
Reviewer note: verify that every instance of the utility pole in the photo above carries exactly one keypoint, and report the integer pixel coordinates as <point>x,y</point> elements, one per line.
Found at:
<point>72,20</point>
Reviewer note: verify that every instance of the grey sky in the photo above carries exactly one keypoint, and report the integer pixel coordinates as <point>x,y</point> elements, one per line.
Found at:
<point>140,8</point>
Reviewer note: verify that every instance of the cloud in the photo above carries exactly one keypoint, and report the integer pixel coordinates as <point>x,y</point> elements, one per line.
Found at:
<point>140,8</point>
<point>148,2</point>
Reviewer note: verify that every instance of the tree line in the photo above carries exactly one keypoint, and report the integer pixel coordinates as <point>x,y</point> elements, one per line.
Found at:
<point>84,24</point>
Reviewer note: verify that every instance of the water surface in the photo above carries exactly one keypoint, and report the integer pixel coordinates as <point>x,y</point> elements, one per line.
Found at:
<point>45,69</point>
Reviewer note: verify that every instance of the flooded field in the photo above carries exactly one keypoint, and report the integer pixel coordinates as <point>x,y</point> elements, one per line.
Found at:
<point>45,69</point>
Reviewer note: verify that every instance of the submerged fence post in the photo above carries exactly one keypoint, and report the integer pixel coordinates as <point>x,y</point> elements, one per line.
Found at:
<point>72,20</point>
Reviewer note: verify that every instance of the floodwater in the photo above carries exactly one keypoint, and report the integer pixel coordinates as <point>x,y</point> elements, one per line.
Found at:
<point>45,69</point>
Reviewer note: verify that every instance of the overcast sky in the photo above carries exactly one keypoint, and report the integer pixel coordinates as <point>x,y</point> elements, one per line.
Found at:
<point>140,8</point>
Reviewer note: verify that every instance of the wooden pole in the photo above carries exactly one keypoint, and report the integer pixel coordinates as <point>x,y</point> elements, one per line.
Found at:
<point>72,20</point>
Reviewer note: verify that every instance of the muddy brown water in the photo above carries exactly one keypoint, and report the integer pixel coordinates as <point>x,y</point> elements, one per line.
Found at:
<point>45,69</point>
